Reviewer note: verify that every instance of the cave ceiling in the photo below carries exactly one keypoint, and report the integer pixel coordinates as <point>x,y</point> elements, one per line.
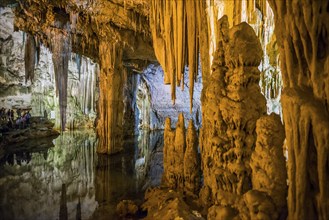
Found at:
<point>88,22</point>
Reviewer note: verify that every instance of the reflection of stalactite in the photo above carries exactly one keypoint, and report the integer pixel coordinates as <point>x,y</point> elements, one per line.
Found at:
<point>63,207</point>
<point>29,57</point>
<point>78,215</point>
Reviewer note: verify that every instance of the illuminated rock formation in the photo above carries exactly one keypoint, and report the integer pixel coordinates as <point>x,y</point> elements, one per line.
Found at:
<point>180,157</point>
<point>302,34</point>
<point>232,104</point>
<point>192,178</point>
<point>173,156</point>
<point>267,161</point>
<point>110,103</point>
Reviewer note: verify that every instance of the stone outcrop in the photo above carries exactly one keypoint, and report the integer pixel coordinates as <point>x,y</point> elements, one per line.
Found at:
<point>302,33</point>
<point>180,157</point>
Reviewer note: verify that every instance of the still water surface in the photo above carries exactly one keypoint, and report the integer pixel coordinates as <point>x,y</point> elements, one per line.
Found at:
<point>69,179</point>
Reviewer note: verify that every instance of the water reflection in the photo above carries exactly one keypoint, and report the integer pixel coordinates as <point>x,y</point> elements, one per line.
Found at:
<point>70,181</point>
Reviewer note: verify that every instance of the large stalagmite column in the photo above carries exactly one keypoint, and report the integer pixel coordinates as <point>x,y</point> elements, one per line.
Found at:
<point>110,103</point>
<point>232,103</point>
<point>302,31</point>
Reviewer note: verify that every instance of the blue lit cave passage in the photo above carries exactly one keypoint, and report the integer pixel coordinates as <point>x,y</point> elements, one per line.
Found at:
<point>65,178</point>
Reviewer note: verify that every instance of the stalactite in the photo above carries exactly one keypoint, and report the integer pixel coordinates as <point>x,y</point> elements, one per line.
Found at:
<point>175,32</point>
<point>60,42</point>
<point>29,57</point>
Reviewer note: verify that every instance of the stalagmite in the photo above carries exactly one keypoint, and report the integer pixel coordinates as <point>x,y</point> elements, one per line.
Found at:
<point>302,33</point>
<point>180,157</point>
<point>179,150</point>
<point>232,103</point>
<point>267,161</point>
<point>29,57</point>
<point>168,159</point>
<point>192,178</point>
<point>174,148</point>
<point>110,103</point>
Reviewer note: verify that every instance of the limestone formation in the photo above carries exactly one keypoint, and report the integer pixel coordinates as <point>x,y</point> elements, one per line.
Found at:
<point>267,161</point>
<point>177,31</point>
<point>233,103</point>
<point>173,158</point>
<point>180,157</point>
<point>126,208</point>
<point>110,103</point>
<point>29,57</point>
<point>60,42</point>
<point>163,203</point>
<point>302,33</point>
<point>192,177</point>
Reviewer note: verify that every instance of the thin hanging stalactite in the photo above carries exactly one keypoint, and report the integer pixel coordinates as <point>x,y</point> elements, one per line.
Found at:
<point>60,42</point>
<point>175,29</point>
<point>29,57</point>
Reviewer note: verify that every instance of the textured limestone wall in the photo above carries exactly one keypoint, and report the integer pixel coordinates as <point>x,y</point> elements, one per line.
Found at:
<point>302,32</point>
<point>130,110</point>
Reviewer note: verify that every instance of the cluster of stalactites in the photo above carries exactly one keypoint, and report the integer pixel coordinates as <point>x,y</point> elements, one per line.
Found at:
<point>60,43</point>
<point>175,28</point>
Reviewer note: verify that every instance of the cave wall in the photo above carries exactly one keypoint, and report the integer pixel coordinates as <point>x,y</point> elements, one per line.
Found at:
<point>302,33</point>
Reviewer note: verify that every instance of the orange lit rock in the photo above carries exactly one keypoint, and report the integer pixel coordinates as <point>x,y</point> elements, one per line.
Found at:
<point>110,103</point>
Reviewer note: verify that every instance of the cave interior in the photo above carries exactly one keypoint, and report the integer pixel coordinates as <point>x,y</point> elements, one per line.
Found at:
<point>237,89</point>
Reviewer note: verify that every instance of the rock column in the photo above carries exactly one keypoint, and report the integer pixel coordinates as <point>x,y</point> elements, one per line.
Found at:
<point>110,103</point>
